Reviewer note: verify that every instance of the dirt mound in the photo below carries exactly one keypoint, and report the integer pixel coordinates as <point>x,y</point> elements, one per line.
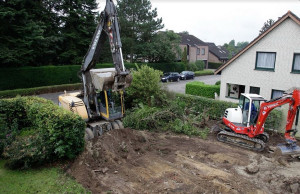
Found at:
<point>130,161</point>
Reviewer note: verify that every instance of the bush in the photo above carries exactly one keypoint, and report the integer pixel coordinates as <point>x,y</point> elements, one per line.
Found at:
<point>43,132</point>
<point>200,65</point>
<point>218,83</point>
<point>192,67</point>
<point>30,77</point>
<point>145,87</point>
<point>39,90</point>
<point>201,89</point>
<point>214,65</point>
<point>204,72</point>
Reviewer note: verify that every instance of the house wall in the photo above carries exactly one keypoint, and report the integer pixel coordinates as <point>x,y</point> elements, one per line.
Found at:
<point>213,58</point>
<point>285,41</point>
<point>193,53</point>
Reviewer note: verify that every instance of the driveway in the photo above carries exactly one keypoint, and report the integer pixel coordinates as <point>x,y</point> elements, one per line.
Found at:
<point>179,87</point>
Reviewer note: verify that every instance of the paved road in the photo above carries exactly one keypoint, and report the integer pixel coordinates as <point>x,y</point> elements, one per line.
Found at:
<point>178,87</point>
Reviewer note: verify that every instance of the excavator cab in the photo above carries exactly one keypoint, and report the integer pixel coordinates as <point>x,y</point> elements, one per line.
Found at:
<point>111,104</point>
<point>249,105</point>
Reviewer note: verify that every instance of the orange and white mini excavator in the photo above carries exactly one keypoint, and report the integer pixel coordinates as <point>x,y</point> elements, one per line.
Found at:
<point>101,102</point>
<point>245,124</point>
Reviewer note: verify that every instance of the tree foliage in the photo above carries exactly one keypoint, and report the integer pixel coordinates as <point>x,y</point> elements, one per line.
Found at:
<point>45,32</point>
<point>139,25</point>
<point>266,26</point>
<point>233,48</point>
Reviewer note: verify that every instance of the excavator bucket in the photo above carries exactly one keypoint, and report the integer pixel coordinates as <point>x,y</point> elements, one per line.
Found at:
<point>288,149</point>
<point>104,79</point>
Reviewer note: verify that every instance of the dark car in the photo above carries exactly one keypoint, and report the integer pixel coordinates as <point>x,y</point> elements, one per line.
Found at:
<point>170,76</point>
<point>187,75</point>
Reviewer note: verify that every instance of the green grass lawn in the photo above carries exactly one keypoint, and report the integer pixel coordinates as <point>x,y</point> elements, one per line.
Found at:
<point>204,72</point>
<point>44,180</point>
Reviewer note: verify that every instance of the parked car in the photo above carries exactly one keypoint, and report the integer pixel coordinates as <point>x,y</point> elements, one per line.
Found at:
<point>170,76</point>
<point>187,75</point>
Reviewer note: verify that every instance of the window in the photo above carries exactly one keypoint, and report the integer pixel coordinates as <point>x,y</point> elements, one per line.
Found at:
<point>296,63</point>
<point>265,61</point>
<point>234,90</point>
<point>276,94</point>
<point>254,90</point>
<point>198,51</point>
<point>203,51</point>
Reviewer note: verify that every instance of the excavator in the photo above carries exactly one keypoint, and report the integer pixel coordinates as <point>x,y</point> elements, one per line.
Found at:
<point>245,124</point>
<point>101,102</point>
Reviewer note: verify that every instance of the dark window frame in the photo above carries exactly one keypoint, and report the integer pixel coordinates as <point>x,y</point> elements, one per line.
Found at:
<point>261,68</point>
<point>293,70</point>
<point>276,90</point>
<point>228,90</point>
<point>254,87</point>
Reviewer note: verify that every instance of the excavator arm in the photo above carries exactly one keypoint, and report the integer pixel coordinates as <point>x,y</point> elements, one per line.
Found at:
<point>293,100</point>
<point>97,80</point>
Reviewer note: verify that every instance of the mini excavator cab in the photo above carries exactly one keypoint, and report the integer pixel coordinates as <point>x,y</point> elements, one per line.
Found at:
<point>249,105</point>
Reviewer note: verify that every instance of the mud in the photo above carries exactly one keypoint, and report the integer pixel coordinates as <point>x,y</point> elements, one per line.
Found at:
<point>130,161</point>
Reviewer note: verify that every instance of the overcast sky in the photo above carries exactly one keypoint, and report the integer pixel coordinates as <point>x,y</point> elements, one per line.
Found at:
<point>220,21</point>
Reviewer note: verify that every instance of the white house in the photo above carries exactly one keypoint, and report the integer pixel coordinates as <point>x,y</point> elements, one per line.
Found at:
<point>268,66</point>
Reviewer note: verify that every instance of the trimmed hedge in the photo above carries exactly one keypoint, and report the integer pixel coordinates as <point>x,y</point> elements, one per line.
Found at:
<point>38,131</point>
<point>39,90</point>
<point>216,108</point>
<point>214,65</point>
<point>204,72</point>
<point>201,89</point>
<point>30,77</point>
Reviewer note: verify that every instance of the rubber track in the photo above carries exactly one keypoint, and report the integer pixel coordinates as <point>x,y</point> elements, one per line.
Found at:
<point>244,137</point>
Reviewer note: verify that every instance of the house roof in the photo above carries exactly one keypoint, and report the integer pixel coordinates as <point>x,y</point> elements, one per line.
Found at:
<point>191,40</point>
<point>218,51</point>
<point>289,14</point>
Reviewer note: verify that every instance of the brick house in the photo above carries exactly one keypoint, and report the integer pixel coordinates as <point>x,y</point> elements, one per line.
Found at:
<point>217,54</point>
<point>196,48</point>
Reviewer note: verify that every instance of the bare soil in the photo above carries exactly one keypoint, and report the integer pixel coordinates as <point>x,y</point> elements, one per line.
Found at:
<point>131,161</point>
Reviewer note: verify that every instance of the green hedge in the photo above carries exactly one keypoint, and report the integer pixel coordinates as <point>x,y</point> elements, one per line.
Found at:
<point>35,131</point>
<point>214,65</point>
<point>201,89</point>
<point>216,108</point>
<point>30,77</point>
<point>204,72</point>
<point>39,90</point>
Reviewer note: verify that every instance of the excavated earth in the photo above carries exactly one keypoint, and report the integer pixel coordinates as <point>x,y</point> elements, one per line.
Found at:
<point>131,161</point>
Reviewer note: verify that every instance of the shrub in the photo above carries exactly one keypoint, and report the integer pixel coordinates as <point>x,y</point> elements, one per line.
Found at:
<point>204,72</point>
<point>145,87</point>
<point>201,89</point>
<point>200,65</point>
<point>214,65</point>
<point>218,83</point>
<point>192,67</point>
<point>58,134</point>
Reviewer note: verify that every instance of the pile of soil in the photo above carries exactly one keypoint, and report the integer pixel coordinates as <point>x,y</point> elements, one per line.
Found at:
<point>131,161</point>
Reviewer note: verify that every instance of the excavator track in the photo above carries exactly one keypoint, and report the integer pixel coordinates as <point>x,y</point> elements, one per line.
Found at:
<point>241,141</point>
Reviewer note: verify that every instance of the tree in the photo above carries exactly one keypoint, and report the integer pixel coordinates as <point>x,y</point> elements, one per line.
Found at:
<point>233,49</point>
<point>184,57</point>
<point>266,26</point>
<point>139,24</point>
<point>27,33</point>
<point>163,47</point>
<point>77,28</point>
